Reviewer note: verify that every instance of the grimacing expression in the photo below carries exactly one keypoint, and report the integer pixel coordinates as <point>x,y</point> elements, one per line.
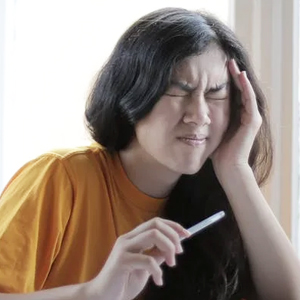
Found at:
<point>187,124</point>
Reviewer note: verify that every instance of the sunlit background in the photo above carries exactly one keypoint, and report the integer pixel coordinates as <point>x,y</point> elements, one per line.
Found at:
<point>51,50</point>
<point>54,49</point>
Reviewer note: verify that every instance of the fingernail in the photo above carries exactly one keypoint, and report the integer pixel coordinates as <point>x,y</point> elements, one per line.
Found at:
<point>179,249</point>
<point>174,262</point>
<point>233,61</point>
<point>160,282</point>
<point>187,233</point>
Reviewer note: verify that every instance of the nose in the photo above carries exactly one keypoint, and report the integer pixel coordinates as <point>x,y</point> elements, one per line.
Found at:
<point>197,111</point>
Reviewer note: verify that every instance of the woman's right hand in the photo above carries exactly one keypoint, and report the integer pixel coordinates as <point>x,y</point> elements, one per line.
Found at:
<point>135,257</point>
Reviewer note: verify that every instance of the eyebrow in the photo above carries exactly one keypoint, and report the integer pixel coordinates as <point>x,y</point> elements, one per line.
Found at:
<point>183,86</point>
<point>218,87</point>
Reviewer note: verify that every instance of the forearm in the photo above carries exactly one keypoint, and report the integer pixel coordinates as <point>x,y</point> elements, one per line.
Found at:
<point>70,292</point>
<point>274,264</point>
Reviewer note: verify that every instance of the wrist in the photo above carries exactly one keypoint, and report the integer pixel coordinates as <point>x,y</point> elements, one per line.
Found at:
<point>89,291</point>
<point>233,173</point>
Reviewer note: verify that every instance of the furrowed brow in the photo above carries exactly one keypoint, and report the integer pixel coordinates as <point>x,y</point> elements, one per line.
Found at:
<point>218,88</point>
<point>183,86</point>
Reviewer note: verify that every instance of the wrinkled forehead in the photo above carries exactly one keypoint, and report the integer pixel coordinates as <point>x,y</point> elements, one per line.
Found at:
<point>207,68</point>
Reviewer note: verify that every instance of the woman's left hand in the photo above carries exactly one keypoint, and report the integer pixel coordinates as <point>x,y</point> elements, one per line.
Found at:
<point>234,153</point>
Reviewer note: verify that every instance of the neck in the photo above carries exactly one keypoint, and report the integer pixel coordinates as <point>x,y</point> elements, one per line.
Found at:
<point>147,174</point>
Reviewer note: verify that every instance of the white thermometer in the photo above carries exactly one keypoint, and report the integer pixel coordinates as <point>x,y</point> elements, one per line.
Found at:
<point>205,223</point>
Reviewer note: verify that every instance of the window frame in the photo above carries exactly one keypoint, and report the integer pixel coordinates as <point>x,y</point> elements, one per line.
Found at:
<point>270,32</point>
<point>2,72</point>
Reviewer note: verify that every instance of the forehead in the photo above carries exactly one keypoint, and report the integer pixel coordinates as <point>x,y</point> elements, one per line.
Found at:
<point>207,68</point>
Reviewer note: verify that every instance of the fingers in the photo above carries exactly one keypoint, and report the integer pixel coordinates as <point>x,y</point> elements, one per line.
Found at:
<point>235,73</point>
<point>248,95</point>
<point>248,91</point>
<point>146,247</point>
<point>252,115</point>
<point>155,238</point>
<point>241,81</point>
<point>138,261</point>
<point>158,222</point>
<point>172,230</point>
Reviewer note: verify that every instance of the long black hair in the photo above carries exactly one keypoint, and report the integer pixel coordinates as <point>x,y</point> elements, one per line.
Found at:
<point>137,74</point>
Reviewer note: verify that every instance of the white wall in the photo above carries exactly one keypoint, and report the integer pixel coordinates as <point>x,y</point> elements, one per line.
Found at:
<point>54,48</point>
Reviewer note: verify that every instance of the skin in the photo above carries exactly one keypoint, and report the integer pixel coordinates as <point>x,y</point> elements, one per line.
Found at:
<point>274,264</point>
<point>184,128</point>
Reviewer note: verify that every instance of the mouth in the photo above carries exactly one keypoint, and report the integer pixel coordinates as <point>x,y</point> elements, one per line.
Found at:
<point>193,141</point>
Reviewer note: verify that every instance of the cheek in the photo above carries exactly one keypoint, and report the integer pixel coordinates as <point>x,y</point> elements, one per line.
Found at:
<point>226,119</point>
<point>220,118</point>
<point>152,140</point>
<point>151,131</point>
<point>165,115</point>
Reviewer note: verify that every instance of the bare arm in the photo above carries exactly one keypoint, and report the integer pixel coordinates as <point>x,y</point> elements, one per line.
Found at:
<point>274,264</point>
<point>72,292</point>
<point>127,268</point>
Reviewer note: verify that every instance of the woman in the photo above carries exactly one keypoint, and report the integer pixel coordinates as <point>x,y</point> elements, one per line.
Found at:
<point>183,134</point>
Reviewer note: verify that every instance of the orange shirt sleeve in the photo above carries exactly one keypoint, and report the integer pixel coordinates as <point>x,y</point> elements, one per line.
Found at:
<point>34,211</point>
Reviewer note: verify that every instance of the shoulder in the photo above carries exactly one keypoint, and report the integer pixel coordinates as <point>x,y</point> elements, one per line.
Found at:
<point>81,161</point>
<point>74,154</point>
<point>87,166</point>
<point>64,165</point>
<point>71,157</point>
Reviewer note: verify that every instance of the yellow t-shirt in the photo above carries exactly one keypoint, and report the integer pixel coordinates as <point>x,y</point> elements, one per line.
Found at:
<point>60,216</point>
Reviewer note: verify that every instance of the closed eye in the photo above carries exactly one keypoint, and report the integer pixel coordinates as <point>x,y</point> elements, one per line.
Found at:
<point>219,92</point>
<point>179,89</point>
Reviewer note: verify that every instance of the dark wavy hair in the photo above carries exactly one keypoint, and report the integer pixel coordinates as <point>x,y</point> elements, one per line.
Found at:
<point>214,264</point>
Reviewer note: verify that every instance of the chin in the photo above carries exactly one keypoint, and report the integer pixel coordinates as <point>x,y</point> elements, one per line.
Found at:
<point>187,166</point>
<point>190,165</point>
<point>191,170</point>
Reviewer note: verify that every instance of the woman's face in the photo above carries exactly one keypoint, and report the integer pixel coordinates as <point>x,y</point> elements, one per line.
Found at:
<point>187,124</point>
